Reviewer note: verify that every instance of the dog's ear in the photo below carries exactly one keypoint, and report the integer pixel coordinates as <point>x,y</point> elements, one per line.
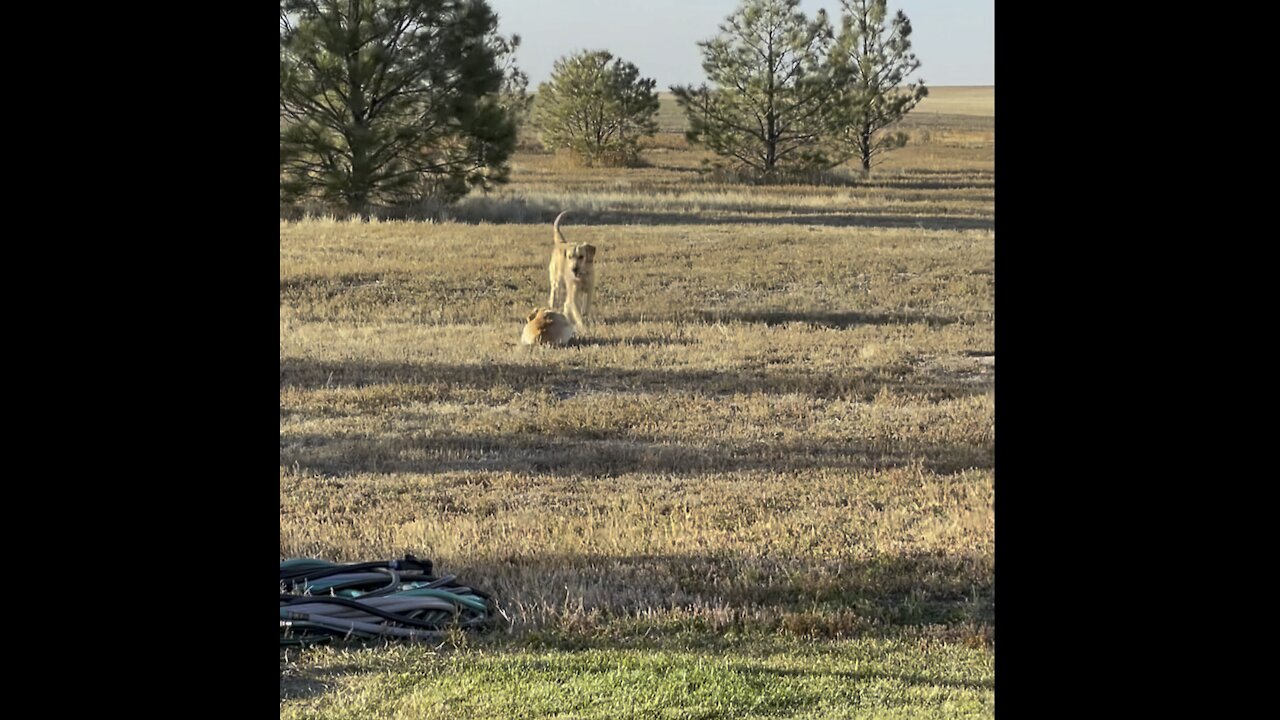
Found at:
<point>591,252</point>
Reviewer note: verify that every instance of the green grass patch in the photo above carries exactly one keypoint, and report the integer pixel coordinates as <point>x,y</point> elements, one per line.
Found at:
<point>761,679</point>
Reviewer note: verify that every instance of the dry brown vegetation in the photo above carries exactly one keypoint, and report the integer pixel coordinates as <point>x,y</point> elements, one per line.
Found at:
<point>780,424</point>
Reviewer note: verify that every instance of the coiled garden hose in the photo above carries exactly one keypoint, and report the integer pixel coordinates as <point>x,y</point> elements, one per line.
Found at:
<point>398,598</point>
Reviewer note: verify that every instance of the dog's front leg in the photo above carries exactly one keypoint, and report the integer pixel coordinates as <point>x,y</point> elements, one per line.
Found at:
<point>571,306</point>
<point>556,300</point>
<point>584,298</point>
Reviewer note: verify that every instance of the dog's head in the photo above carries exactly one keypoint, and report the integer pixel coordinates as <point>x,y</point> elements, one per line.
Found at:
<point>581,257</point>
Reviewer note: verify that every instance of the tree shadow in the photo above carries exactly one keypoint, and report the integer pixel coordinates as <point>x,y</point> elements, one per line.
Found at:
<point>945,172</point>
<point>331,285</point>
<point>584,453</point>
<point>768,675</point>
<point>306,681</point>
<point>568,380</point>
<point>826,319</point>
<point>776,591</point>
<point>833,219</point>
<point>313,681</point>
<point>597,341</point>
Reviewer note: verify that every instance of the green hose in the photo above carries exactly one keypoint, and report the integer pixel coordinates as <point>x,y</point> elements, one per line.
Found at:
<point>401,598</point>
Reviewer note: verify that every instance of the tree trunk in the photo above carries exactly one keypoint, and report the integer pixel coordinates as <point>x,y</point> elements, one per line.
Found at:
<point>771,136</point>
<point>770,148</point>
<point>864,148</point>
<point>358,137</point>
<point>358,202</point>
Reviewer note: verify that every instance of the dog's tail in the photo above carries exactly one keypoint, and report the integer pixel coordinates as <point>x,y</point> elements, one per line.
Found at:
<point>555,228</point>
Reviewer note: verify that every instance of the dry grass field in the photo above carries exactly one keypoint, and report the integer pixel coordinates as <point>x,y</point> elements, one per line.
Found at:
<point>760,485</point>
<point>977,100</point>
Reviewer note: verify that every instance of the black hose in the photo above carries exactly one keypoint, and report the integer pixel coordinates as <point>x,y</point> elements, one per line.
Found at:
<point>422,616</point>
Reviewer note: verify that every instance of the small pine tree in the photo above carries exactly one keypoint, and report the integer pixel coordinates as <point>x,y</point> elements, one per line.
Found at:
<point>871,61</point>
<point>597,107</point>
<point>770,103</point>
<point>390,101</point>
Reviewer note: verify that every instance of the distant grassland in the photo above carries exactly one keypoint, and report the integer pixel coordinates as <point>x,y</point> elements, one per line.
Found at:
<point>960,100</point>
<point>979,101</point>
<point>761,485</point>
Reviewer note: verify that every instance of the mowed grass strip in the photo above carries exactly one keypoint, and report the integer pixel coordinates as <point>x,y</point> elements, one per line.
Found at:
<point>862,679</point>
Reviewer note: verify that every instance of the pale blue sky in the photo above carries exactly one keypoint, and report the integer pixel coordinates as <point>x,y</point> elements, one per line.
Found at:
<point>954,39</point>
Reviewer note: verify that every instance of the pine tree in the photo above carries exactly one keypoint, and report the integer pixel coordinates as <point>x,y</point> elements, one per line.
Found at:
<point>770,103</point>
<point>871,61</point>
<point>597,107</point>
<point>384,102</point>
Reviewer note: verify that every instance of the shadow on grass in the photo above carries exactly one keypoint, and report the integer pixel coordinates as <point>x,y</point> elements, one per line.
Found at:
<point>767,675</point>
<point>826,319</point>
<point>596,341</point>
<point>704,600</point>
<point>568,453</point>
<point>568,380</point>
<point>500,661</point>
<point>949,173</point>
<point>833,219</point>
<point>316,681</point>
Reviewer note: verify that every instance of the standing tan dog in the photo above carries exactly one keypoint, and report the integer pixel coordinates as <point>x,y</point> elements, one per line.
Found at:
<point>573,275</point>
<point>547,327</point>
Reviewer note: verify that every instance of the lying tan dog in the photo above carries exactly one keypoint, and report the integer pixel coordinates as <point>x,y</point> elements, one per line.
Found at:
<point>547,327</point>
<point>573,276</point>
